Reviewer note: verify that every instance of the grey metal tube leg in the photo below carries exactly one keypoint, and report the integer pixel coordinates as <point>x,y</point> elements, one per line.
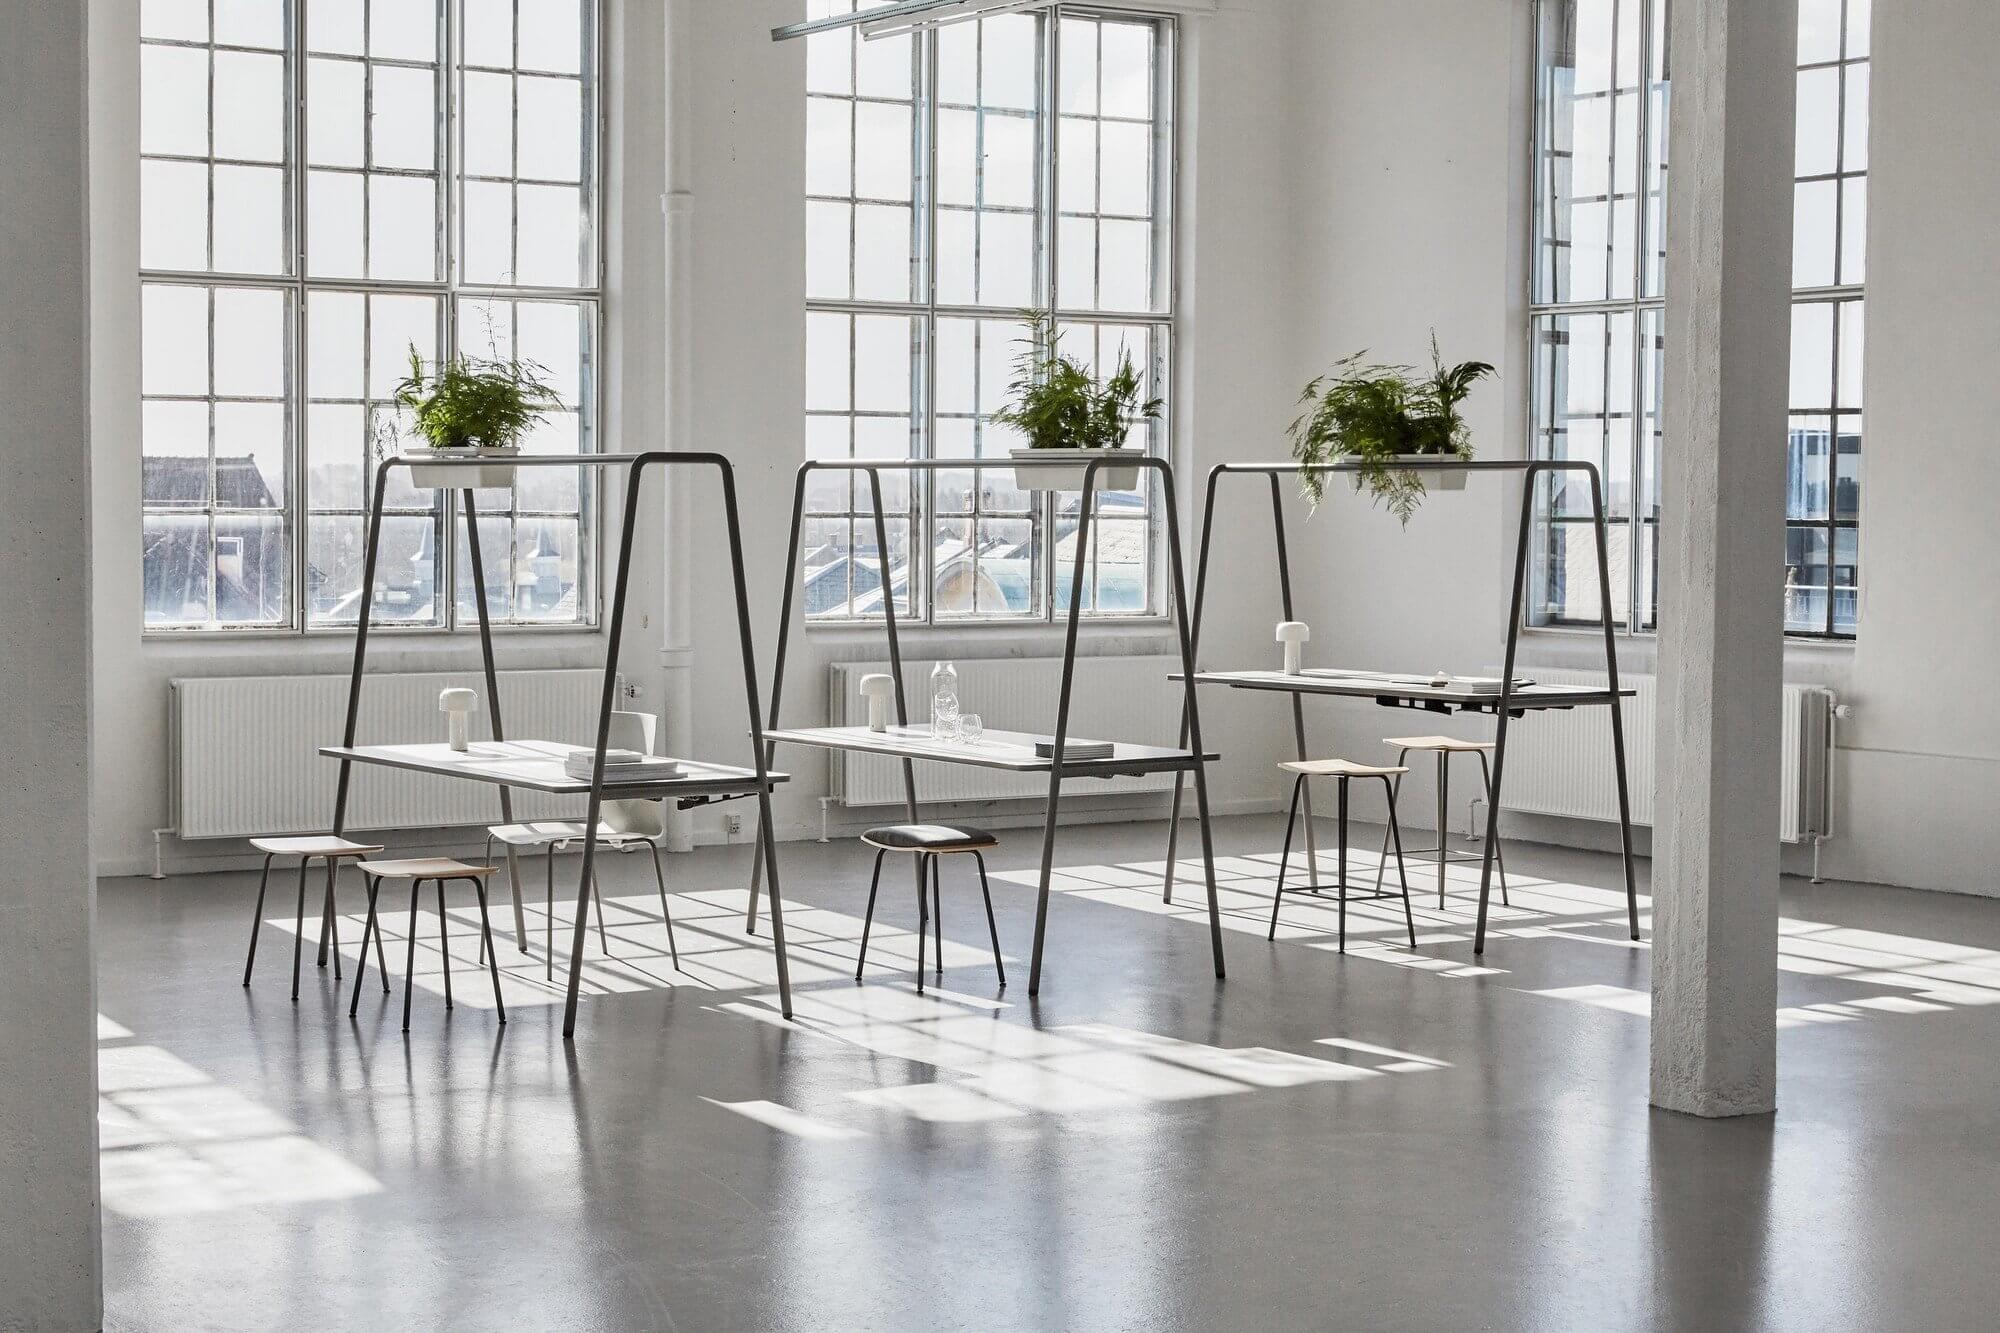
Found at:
<point>492,959</point>
<point>937,911</point>
<point>332,932</point>
<point>257,919</point>
<point>1499,858</point>
<point>444,944</point>
<point>367,930</point>
<point>923,922</point>
<point>666,915</point>
<point>410,951</point>
<point>1284,857</point>
<point>1396,832</point>
<point>868,917</point>
<point>992,929</point>
<point>1444,805</point>
<point>299,929</point>
<point>1343,865</point>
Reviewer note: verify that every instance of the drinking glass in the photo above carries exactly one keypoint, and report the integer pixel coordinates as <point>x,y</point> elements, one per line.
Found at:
<point>970,728</point>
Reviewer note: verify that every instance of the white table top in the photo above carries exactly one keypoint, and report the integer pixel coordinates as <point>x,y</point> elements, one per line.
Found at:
<point>1010,750</point>
<point>538,766</point>
<point>1406,688</point>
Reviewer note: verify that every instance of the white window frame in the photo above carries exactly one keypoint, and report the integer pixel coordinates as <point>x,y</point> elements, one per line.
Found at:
<point>1646,312</point>
<point>449,291</point>
<point>925,311</point>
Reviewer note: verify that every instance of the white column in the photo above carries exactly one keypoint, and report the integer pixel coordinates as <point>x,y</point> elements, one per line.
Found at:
<point>48,1094</point>
<point>1728,334</point>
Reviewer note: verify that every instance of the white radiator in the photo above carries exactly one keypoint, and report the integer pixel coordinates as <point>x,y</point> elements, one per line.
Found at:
<point>1559,763</point>
<point>1113,698</point>
<point>246,762</point>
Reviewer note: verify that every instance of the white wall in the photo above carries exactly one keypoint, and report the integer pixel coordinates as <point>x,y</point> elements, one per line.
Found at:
<point>48,991</point>
<point>1921,759</point>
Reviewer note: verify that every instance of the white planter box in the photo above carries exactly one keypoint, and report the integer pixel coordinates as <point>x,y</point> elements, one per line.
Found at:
<point>483,477</point>
<point>1435,478</point>
<point>1121,477</point>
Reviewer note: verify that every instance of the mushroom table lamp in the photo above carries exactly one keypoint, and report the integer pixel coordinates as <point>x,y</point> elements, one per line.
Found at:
<point>457,706</point>
<point>877,688</point>
<point>1293,634</point>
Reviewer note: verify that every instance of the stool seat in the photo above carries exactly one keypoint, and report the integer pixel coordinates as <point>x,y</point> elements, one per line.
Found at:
<point>320,844</point>
<point>540,833</point>
<point>425,867</point>
<point>1448,744</point>
<point>929,838</point>
<point>1339,768</point>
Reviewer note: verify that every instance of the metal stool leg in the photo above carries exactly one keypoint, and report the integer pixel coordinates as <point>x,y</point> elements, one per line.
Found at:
<point>1381,861</point>
<point>603,936</point>
<point>367,930</point>
<point>410,952</point>
<point>1284,857</point>
<point>937,911</point>
<point>868,918</point>
<point>549,916</point>
<point>1444,789</point>
<point>1499,860</point>
<point>444,945</point>
<point>492,959</point>
<point>1396,831</point>
<point>299,929</point>
<point>665,915</point>
<point>332,932</point>
<point>1343,863</point>
<point>257,918</point>
<point>486,860</point>
<point>923,921</point>
<point>991,929</point>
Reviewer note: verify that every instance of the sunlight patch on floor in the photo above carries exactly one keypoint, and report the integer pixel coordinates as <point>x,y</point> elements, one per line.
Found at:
<point>994,1069</point>
<point>173,1142</point>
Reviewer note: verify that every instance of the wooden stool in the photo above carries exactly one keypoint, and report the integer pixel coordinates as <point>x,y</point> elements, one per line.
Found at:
<point>324,847</point>
<point>928,842</point>
<point>417,870</point>
<point>1343,771</point>
<point>1445,747</point>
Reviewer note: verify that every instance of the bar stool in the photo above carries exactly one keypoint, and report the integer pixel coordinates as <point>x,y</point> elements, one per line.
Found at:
<point>309,848</point>
<point>1343,771</point>
<point>928,842</point>
<point>417,870</point>
<point>1445,747</point>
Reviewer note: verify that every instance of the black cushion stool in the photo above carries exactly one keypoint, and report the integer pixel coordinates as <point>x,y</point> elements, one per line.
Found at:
<point>928,842</point>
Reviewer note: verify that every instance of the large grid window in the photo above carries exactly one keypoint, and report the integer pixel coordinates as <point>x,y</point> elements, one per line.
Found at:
<point>326,185</point>
<point>956,178</point>
<point>1601,188</point>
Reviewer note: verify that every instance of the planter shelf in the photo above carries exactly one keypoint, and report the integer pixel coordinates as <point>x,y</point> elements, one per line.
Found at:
<point>1115,477</point>
<point>499,471</point>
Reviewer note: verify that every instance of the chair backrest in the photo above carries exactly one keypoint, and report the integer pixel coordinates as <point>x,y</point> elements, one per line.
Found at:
<point>645,819</point>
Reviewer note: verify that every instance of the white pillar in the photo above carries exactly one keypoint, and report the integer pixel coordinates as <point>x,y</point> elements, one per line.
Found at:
<point>48,1039</point>
<point>1728,331</point>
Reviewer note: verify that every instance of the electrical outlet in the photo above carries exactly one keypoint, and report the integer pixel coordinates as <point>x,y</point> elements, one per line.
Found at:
<point>733,823</point>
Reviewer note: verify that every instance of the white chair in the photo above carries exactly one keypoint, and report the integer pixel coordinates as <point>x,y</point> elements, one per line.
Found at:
<point>621,824</point>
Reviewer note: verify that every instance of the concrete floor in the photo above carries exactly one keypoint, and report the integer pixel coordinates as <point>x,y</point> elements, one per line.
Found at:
<point>1384,1140</point>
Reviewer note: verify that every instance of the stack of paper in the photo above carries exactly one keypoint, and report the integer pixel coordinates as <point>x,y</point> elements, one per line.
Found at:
<point>1073,749</point>
<point>621,766</point>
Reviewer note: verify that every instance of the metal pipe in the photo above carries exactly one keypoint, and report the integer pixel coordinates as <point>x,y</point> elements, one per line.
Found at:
<point>493,708</point>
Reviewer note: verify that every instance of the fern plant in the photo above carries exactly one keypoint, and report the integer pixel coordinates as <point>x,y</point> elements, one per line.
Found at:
<point>473,401</point>
<point>1375,415</point>
<point>1058,404</point>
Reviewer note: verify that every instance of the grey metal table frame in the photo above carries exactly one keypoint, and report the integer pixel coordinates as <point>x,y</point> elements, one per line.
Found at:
<point>1192,761</point>
<point>635,466</point>
<point>1503,705</point>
